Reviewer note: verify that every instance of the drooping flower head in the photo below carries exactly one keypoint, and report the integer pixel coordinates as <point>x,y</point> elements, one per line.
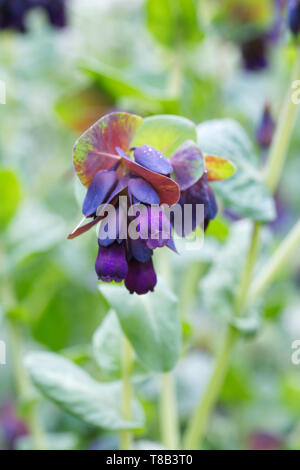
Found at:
<point>13,13</point>
<point>117,168</point>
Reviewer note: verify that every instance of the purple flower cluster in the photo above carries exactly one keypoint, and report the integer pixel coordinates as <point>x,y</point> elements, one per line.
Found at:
<point>114,171</point>
<point>13,13</point>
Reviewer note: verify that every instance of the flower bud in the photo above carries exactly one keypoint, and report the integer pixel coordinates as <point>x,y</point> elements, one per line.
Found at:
<point>293,16</point>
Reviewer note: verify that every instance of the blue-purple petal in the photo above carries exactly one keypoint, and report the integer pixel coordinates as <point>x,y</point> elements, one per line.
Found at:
<point>142,191</point>
<point>101,185</point>
<point>152,159</point>
<point>139,250</point>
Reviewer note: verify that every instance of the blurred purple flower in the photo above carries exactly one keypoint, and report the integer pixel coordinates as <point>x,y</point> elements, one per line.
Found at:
<point>263,440</point>
<point>266,127</point>
<point>13,13</point>
<point>293,16</point>
<point>11,426</point>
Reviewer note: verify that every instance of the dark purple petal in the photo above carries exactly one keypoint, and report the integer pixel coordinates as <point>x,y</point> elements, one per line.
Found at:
<point>188,165</point>
<point>152,159</point>
<point>111,264</point>
<point>266,128</point>
<point>171,245</point>
<point>101,185</point>
<point>139,250</point>
<point>141,277</point>
<point>254,53</point>
<point>143,191</point>
<point>56,10</point>
<point>199,193</point>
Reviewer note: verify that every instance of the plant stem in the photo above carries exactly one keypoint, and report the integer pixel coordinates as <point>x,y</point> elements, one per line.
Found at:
<point>281,256</point>
<point>127,362</point>
<point>283,132</point>
<point>277,155</point>
<point>196,428</point>
<point>168,413</point>
<point>23,387</point>
<point>241,297</point>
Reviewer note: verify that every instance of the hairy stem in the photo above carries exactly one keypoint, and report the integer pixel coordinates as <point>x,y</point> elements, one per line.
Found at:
<point>127,362</point>
<point>168,413</point>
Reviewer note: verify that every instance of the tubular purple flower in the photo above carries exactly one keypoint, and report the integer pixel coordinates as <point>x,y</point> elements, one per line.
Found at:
<point>111,264</point>
<point>141,277</point>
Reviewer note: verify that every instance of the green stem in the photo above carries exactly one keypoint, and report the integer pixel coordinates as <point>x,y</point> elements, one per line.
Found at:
<point>23,386</point>
<point>127,363</point>
<point>277,156</point>
<point>281,256</point>
<point>284,129</point>
<point>168,413</point>
<point>246,277</point>
<point>196,428</point>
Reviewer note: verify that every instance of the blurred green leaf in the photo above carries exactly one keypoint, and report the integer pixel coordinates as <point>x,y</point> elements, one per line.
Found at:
<point>69,386</point>
<point>151,323</point>
<point>245,193</point>
<point>107,343</point>
<point>219,286</point>
<point>55,441</point>
<point>10,195</point>
<point>81,108</point>
<point>165,132</point>
<point>174,22</point>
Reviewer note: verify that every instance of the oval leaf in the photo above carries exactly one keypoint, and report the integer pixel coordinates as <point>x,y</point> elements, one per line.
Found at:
<point>107,341</point>
<point>151,323</point>
<point>165,133</point>
<point>245,193</point>
<point>70,387</point>
<point>10,195</point>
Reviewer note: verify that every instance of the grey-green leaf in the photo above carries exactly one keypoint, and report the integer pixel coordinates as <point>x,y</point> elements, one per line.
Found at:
<point>151,322</point>
<point>245,193</point>
<point>69,386</point>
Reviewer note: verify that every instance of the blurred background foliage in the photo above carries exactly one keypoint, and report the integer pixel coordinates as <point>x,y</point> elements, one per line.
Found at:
<point>144,56</point>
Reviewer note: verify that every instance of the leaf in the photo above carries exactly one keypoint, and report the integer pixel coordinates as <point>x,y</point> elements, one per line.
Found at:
<point>218,168</point>
<point>173,22</point>
<point>165,132</point>
<point>107,341</point>
<point>81,108</point>
<point>151,323</point>
<point>245,193</point>
<point>70,387</point>
<point>10,195</point>
<point>96,149</point>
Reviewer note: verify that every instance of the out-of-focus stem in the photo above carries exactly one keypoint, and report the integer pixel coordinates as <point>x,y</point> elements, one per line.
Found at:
<point>284,129</point>
<point>196,429</point>
<point>127,361</point>
<point>281,256</point>
<point>168,413</point>
<point>23,386</point>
